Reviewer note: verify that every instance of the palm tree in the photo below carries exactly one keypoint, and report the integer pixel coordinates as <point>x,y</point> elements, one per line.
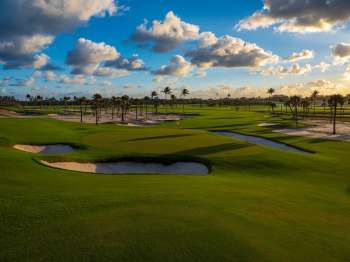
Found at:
<point>96,99</point>
<point>271,91</point>
<point>113,102</point>
<point>167,91</point>
<point>82,101</point>
<point>314,98</point>
<point>184,93</point>
<point>173,100</point>
<point>294,102</point>
<point>124,106</point>
<point>333,102</point>
<point>154,96</point>
<point>146,100</point>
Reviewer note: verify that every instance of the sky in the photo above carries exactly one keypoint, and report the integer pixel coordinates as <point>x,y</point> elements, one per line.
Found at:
<point>242,48</point>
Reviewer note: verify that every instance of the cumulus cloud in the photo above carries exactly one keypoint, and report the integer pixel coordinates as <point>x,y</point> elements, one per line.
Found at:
<point>229,52</point>
<point>132,64</point>
<point>304,54</point>
<point>222,91</point>
<point>282,71</point>
<point>166,35</point>
<point>50,76</point>
<point>341,52</point>
<point>28,26</point>
<point>178,67</point>
<point>110,72</point>
<point>76,79</point>
<point>299,16</point>
<point>324,87</point>
<point>346,74</point>
<point>295,69</point>
<point>323,67</point>
<point>87,55</point>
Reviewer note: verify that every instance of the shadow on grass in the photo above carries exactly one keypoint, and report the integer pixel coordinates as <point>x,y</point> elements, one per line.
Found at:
<point>212,149</point>
<point>160,137</point>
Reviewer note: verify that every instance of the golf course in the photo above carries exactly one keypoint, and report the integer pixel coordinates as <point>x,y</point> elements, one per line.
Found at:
<point>257,203</point>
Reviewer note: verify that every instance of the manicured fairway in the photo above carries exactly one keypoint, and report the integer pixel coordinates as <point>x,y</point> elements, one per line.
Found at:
<point>258,204</point>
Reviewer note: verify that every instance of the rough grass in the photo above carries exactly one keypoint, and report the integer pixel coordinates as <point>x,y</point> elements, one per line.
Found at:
<point>258,204</point>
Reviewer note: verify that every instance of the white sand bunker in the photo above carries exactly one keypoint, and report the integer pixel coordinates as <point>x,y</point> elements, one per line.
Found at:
<point>320,129</point>
<point>45,149</point>
<point>262,142</point>
<point>129,120</point>
<point>180,168</point>
<point>268,124</point>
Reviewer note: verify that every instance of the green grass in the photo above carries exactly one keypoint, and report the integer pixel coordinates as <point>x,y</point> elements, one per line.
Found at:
<point>258,204</point>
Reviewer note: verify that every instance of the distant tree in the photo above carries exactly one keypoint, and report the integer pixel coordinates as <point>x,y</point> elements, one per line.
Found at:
<point>270,92</point>
<point>96,102</point>
<point>146,100</point>
<point>82,101</point>
<point>124,106</point>
<point>166,91</point>
<point>333,102</point>
<point>184,92</point>
<point>294,102</point>
<point>155,100</point>
<point>314,99</point>
<point>173,99</point>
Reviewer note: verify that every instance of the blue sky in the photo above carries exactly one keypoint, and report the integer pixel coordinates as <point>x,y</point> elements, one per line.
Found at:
<point>219,17</point>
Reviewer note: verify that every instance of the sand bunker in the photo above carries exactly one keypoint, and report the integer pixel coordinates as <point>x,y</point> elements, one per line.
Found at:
<point>268,124</point>
<point>320,129</point>
<point>45,149</point>
<point>262,142</point>
<point>130,118</point>
<point>181,168</point>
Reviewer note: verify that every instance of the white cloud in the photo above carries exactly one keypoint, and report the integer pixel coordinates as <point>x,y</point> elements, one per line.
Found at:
<point>282,71</point>
<point>166,35</point>
<point>28,26</point>
<point>87,55</point>
<point>299,16</point>
<point>50,76</point>
<point>110,72</point>
<point>229,52</point>
<point>178,67</point>
<point>76,79</point>
<point>132,64</point>
<point>303,55</point>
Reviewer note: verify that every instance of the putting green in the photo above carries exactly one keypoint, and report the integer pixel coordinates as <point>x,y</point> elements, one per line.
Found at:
<point>258,203</point>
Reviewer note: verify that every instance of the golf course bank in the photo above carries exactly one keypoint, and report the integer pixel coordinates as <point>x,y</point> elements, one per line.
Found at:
<point>257,203</point>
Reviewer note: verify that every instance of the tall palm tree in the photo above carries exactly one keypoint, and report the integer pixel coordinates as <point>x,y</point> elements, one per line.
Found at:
<point>146,100</point>
<point>113,102</point>
<point>154,96</point>
<point>96,100</point>
<point>173,100</point>
<point>271,91</point>
<point>333,102</point>
<point>184,93</point>
<point>314,98</point>
<point>82,101</point>
<point>294,102</point>
<point>124,106</point>
<point>167,91</point>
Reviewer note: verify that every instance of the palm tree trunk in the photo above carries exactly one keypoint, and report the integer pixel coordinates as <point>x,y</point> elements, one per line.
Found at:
<point>81,113</point>
<point>334,120</point>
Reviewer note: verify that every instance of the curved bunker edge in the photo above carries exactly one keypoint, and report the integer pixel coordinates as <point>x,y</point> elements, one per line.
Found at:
<point>47,149</point>
<point>132,167</point>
